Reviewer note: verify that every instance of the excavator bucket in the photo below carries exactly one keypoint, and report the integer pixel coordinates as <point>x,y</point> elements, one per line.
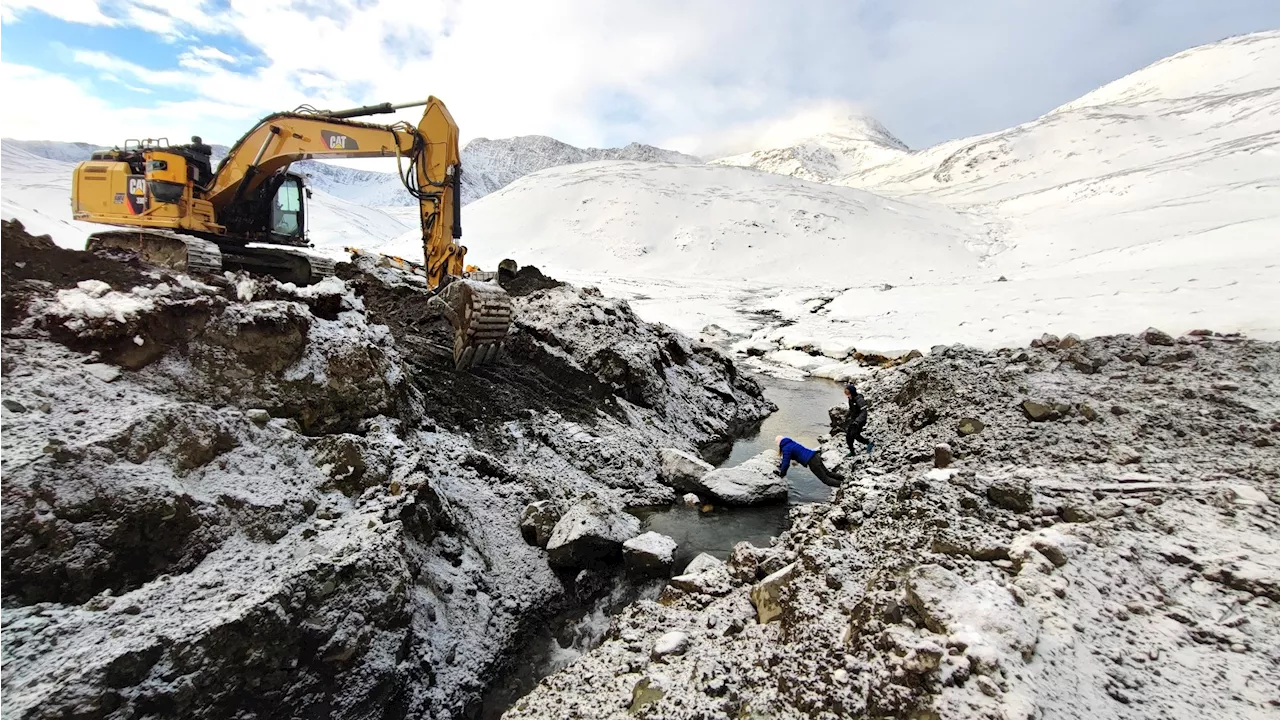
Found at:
<point>477,307</point>
<point>481,316</point>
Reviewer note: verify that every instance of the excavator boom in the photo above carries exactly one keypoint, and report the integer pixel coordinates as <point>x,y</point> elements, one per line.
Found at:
<point>174,209</point>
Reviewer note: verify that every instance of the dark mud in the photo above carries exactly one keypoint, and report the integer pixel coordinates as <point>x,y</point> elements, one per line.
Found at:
<point>34,264</point>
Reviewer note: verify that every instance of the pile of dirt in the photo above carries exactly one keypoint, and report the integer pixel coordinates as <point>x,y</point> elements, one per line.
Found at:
<point>529,279</point>
<point>34,264</point>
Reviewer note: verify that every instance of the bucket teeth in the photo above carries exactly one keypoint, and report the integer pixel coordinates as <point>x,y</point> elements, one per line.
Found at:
<point>483,312</point>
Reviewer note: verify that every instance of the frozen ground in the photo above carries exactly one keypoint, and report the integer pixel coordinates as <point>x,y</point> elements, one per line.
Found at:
<point>224,497</point>
<point>1102,545</point>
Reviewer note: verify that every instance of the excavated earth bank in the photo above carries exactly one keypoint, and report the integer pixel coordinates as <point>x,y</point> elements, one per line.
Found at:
<point>226,497</point>
<point>1104,542</point>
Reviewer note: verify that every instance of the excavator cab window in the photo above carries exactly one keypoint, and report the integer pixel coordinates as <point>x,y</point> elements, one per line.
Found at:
<point>286,211</point>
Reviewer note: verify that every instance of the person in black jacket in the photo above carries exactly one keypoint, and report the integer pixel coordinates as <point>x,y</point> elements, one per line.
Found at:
<point>857,419</point>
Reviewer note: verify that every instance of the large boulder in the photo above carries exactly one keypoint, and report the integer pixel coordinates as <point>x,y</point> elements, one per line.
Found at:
<point>705,575</point>
<point>591,532</point>
<point>683,471</point>
<point>766,595</point>
<point>538,520</point>
<point>649,555</point>
<point>751,483</point>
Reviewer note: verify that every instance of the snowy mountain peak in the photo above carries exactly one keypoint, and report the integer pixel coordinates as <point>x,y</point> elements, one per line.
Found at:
<point>490,165</point>
<point>1236,65</point>
<point>822,147</point>
<point>862,128</point>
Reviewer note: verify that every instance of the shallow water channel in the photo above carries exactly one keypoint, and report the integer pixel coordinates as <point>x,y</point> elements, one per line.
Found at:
<point>802,415</point>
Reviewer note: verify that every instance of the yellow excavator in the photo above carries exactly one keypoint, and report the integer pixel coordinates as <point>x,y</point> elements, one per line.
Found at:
<point>173,209</point>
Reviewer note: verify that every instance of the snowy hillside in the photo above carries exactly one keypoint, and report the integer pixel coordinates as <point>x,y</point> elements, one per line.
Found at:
<point>1154,200</point>
<point>846,145</point>
<point>700,221</point>
<point>490,165</point>
<point>1176,164</point>
<point>37,191</point>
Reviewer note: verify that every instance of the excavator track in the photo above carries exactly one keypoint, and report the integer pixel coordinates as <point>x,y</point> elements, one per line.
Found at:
<point>192,255</point>
<point>161,248</point>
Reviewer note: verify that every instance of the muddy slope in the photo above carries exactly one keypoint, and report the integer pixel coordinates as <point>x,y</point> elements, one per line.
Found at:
<point>224,497</point>
<point>1104,543</point>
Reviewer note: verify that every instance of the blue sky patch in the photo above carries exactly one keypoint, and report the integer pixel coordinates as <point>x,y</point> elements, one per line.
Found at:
<point>27,41</point>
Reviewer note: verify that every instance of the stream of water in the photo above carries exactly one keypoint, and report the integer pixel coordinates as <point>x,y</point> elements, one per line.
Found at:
<point>802,415</point>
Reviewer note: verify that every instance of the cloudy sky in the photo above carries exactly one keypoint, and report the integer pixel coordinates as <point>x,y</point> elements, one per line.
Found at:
<point>702,76</point>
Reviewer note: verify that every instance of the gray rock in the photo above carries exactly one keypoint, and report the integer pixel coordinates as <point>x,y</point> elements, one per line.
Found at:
<point>682,471</point>
<point>1077,513</point>
<point>1046,341</point>
<point>705,575</point>
<point>648,690</point>
<point>538,520</point>
<point>592,531</point>
<point>258,416</point>
<point>1152,336</point>
<point>1038,411</point>
<point>751,483</point>
<point>1069,341</point>
<point>1011,494</point>
<point>942,455</point>
<point>649,555</point>
<point>970,426</point>
<point>1109,508</point>
<point>703,562</point>
<point>766,595</point>
<point>14,406</point>
<point>672,643</point>
<point>103,371</point>
<point>1125,455</point>
<point>590,584</point>
<point>969,544</point>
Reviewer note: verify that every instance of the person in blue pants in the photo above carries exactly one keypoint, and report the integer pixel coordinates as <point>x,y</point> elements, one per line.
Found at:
<point>792,451</point>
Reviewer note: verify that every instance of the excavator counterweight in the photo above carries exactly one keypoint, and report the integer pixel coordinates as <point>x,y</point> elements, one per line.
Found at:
<point>170,207</point>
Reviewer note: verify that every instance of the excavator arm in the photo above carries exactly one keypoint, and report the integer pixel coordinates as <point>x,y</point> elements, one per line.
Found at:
<point>428,156</point>
<point>171,209</point>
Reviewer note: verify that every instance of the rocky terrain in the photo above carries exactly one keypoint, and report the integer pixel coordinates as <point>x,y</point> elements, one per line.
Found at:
<point>1079,529</point>
<point>227,497</point>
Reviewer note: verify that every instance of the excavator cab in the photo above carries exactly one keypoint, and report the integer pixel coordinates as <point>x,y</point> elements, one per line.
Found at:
<point>288,216</point>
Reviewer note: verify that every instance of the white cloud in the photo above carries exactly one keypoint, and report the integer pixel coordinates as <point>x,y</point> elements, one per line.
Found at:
<point>56,107</point>
<point>212,54</point>
<point>707,76</point>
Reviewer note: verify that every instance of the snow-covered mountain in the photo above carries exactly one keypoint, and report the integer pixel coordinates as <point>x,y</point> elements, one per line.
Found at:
<point>1175,164</point>
<point>848,144</point>
<point>701,221</point>
<point>490,165</point>
<point>1153,200</point>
